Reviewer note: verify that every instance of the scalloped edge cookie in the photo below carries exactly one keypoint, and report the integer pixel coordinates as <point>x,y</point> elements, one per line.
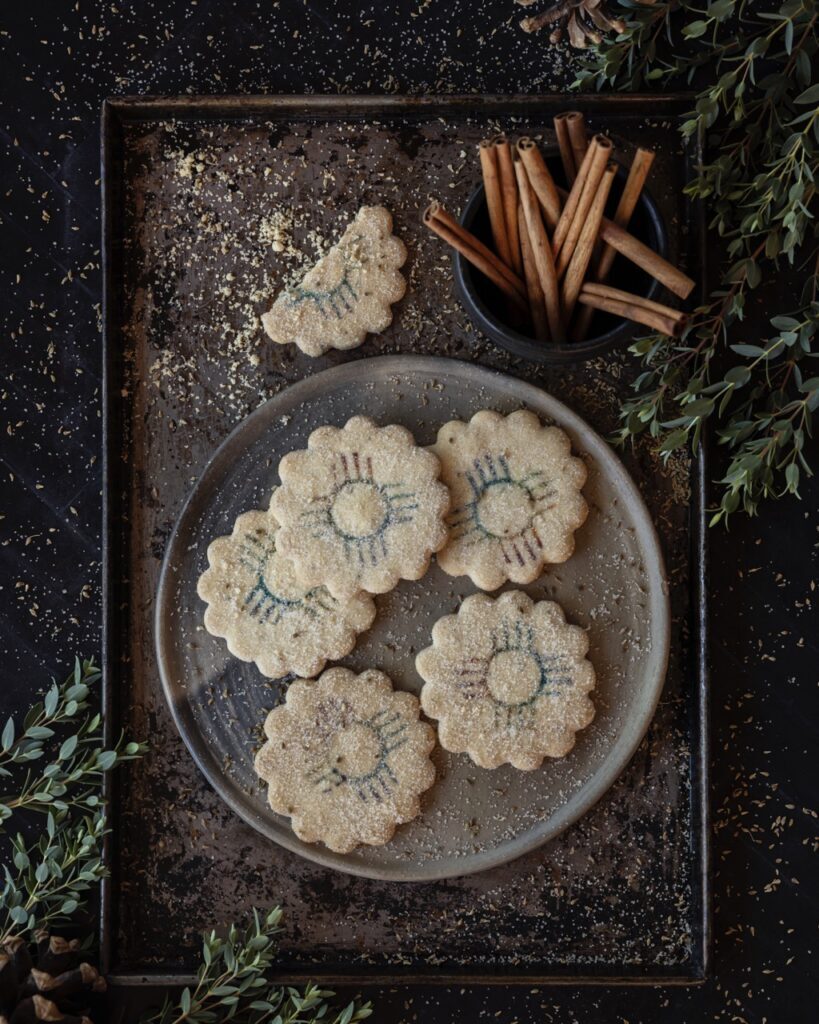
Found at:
<point>360,508</point>
<point>346,759</point>
<point>516,499</point>
<point>348,293</point>
<point>507,679</point>
<point>258,607</point>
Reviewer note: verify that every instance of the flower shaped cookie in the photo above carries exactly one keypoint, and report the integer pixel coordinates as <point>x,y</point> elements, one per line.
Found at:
<point>516,498</point>
<point>507,680</point>
<point>346,759</point>
<point>256,604</point>
<point>360,509</point>
<point>348,293</point>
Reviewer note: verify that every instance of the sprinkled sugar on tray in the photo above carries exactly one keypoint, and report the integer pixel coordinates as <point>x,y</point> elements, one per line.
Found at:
<point>213,216</point>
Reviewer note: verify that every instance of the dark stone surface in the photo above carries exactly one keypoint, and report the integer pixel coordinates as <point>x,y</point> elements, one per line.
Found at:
<point>58,62</point>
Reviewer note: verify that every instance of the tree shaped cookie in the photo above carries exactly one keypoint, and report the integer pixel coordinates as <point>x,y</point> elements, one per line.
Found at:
<point>516,498</point>
<point>360,509</point>
<point>507,680</point>
<point>346,759</point>
<point>256,604</point>
<point>348,293</point>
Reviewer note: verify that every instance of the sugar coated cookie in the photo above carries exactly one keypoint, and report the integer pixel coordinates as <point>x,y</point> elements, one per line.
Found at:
<point>507,680</point>
<point>361,508</point>
<point>346,758</point>
<point>256,604</point>
<point>516,498</point>
<point>348,293</point>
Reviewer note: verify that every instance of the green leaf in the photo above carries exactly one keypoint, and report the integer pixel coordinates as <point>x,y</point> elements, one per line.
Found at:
<point>7,739</point>
<point>792,477</point>
<point>19,915</point>
<point>809,96</point>
<point>700,407</point>
<point>68,747</point>
<point>738,375</point>
<point>51,700</point>
<point>751,351</point>
<point>39,732</point>
<point>106,759</point>
<point>695,29</point>
<point>784,323</point>
<point>676,439</point>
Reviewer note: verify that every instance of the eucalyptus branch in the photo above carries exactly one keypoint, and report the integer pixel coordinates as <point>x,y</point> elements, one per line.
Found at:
<point>69,768</point>
<point>53,876</point>
<point>53,764</point>
<point>231,985</point>
<point>757,117</point>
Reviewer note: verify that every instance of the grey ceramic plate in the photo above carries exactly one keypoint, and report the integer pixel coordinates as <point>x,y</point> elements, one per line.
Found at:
<point>614,586</point>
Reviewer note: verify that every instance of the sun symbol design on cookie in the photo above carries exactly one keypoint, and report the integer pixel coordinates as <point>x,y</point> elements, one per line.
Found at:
<point>503,509</point>
<point>358,755</point>
<point>516,497</point>
<point>514,676</point>
<point>346,758</point>
<point>257,605</point>
<point>359,510</point>
<point>348,293</point>
<point>332,301</point>
<point>256,548</point>
<point>349,518</point>
<point>507,680</point>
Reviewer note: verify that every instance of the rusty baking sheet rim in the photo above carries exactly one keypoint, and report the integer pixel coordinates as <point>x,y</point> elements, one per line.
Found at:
<point>119,111</point>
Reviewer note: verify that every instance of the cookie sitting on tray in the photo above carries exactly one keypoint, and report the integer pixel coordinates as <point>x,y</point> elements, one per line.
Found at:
<point>348,293</point>
<point>346,759</point>
<point>361,508</point>
<point>516,498</point>
<point>507,680</point>
<point>256,604</point>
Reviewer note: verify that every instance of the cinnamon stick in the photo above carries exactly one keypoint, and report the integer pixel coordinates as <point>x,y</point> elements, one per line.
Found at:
<point>634,307</point>
<point>541,181</point>
<point>438,213</point>
<point>648,260</point>
<point>473,250</point>
<point>542,253</point>
<point>606,291</point>
<point>581,258</point>
<point>584,190</point>
<point>537,302</point>
<point>509,193</point>
<point>632,190</point>
<point>564,144</point>
<point>494,200</point>
<point>644,257</point>
<point>576,124</point>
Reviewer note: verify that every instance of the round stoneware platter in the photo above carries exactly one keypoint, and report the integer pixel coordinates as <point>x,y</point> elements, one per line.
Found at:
<point>614,586</point>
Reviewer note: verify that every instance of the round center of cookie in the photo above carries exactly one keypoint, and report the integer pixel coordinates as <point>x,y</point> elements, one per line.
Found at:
<point>359,509</point>
<point>280,580</point>
<point>505,510</point>
<point>513,677</point>
<point>356,751</point>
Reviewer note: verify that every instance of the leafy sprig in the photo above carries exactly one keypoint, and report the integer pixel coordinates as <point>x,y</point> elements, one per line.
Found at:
<point>757,117</point>
<point>53,877</point>
<point>53,764</point>
<point>231,984</point>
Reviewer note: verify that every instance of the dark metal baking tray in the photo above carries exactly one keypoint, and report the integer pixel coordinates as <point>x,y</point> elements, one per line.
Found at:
<point>189,215</point>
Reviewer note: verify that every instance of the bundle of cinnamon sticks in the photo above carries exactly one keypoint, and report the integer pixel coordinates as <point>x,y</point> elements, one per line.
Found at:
<point>552,249</point>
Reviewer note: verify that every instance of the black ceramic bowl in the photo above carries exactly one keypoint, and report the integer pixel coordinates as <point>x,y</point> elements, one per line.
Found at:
<point>485,304</point>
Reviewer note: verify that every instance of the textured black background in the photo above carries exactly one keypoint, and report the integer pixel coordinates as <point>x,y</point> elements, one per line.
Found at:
<point>58,61</point>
